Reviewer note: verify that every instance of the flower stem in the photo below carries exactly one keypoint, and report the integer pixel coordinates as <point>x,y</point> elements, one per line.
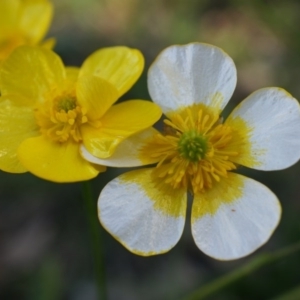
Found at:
<point>255,264</point>
<point>96,239</point>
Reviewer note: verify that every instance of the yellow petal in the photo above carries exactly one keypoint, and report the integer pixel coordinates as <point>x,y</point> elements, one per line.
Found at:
<point>95,95</point>
<point>35,19</point>
<point>72,73</point>
<point>121,66</point>
<point>31,72</point>
<point>10,38</point>
<point>59,162</point>
<point>9,12</point>
<point>128,153</point>
<point>16,125</point>
<point>120,121</point>
<point>48,43</point>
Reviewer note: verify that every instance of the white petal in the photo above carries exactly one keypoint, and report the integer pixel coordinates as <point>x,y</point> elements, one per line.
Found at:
<point>273,116</point>
<point>232,229</point>
<point>193,73</point>
<point>127,153</point>
<point>146,219</point>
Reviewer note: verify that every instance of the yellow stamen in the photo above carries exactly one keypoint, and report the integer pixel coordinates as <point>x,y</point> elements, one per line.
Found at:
<point>195,152</point>
<point>60,119</point>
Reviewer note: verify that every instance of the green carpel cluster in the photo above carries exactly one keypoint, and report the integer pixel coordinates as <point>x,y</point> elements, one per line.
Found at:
<point>66,104</point>
<point>192,146</point>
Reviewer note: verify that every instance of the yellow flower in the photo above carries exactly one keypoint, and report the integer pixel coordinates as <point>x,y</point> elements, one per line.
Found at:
<point>232,215</point>
<point>47,111</point>
<point>23,22</point>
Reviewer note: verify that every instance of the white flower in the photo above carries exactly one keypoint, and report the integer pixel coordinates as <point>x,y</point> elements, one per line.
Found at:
<point>232,215</point>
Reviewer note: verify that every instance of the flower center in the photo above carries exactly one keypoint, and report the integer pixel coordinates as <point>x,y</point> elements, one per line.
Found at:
<point>196,151</point>
<point>192,146</point>
<point>60,118</point>
<point>66,104</point>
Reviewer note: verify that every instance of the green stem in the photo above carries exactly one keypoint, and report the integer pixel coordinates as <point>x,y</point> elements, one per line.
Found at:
<point>96,238</point>
<point>255,264</point>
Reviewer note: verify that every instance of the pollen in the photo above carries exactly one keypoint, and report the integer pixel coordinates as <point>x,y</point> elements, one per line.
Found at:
<point>196,150</point>
<point>61,118</point>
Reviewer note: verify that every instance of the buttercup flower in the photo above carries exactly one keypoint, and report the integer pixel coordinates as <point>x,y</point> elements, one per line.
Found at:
<point>198,151</point>
<point>47,111</point>
<point>23,22</point>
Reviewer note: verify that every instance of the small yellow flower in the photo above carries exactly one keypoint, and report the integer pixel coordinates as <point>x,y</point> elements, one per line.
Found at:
<point>47,111</point>
<point>23,22</point>
<point>232,215</point>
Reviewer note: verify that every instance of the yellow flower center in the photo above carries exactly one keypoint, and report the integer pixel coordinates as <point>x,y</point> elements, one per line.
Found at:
<point>60,119</point>
<point>66,104</point>
<point>195,151</point>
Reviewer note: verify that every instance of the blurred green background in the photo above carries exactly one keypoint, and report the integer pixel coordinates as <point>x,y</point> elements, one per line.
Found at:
<point>45,251</point>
